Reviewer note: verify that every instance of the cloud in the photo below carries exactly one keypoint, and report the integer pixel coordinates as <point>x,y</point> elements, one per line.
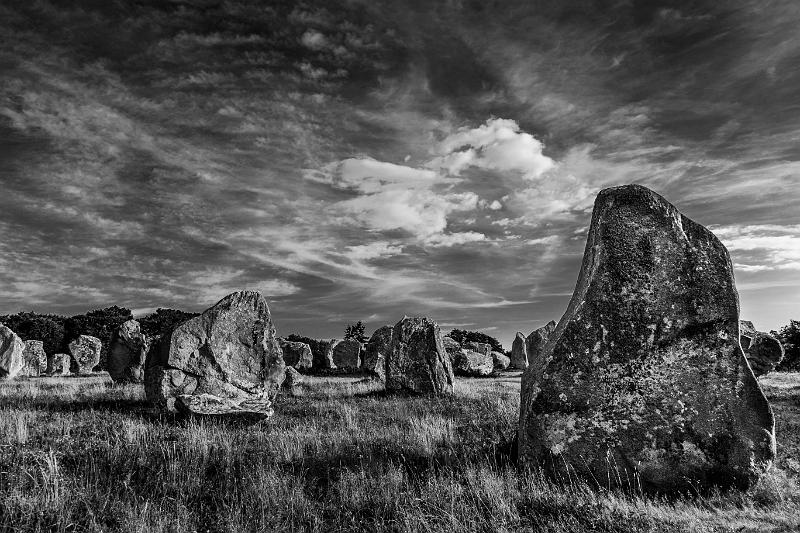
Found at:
<point>499,144</point>
<point>757,248</point>
<point>373,250</point>
<point>453,239</point>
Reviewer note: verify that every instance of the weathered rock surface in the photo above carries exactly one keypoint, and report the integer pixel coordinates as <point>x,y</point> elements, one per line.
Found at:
<point>229,351</point>
<point>297,355</point>
<point>58,364</point>
<point>346,355</point>
<point>374,360</point>
<point>644,379</point>
<point>452,347</point>
<point>293,378</point>
<point>480,347</point>
<point>763,351</point>
<point>417,361</point>
<point>473,364</point>
<point>12,351</point>
<point>519,352</point>
<point>85,352</point>
<point>501,361</point>
<point>535,342</point>
<point>204,405</point>
<point>127,353</point>
<point>35,360</point>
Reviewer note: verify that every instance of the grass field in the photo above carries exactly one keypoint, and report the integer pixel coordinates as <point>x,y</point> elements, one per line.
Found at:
<point>338,456</point>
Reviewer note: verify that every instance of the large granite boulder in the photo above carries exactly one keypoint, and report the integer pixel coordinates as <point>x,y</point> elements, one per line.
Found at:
<point>229,351</point>
<point>643,380</point>
<point>535,342</point>
<point>374,360</point>
<point>127,353</point>
<point>35,359</point>
<point>297,355</point>
<point>501,361</point>
<point>519,352</point>
<point>473,364</point>
<point>416,360</point>
<point>451,346</point>
<point>58,364</point>
<point>12,350</point>
<point>85,352</point>
<point>763,351</point>
<point>346,355</point>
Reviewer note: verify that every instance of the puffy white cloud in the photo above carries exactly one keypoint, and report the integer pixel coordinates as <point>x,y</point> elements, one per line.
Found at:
<point>452,239</point>
<point>762,247</point>
<point>499,144</point>
<point>314,40</point>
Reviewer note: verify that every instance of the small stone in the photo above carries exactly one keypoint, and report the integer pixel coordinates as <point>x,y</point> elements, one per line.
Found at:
<point>35,359</point>
<point>12,350</point>
<point>58,364</point>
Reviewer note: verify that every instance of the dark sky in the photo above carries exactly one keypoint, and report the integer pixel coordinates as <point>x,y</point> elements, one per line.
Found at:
<point>366,160</point>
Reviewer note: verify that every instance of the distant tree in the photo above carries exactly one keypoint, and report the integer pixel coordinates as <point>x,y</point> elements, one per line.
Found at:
<point>32,326</point>
<point>789,335</point>
<point>356,332</point>
<point>462,336</point>
<point>163,321</point>
<point>100,323</point>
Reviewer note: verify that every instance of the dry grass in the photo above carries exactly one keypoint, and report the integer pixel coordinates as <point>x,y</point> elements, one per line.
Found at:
<point>337,457</point>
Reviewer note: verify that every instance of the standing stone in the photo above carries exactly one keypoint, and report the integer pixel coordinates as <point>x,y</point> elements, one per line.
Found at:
<point>127,353</point>
<point>35,359</point>
<point>763,351</point>
<point>452,347</point>
<point>324,359</point>
<point>297,355</point>
<point>374,362</point>
<point>644,380</point>
<point>58,364</point>
<point>473,364</point>
<point>501,361</point>
<point>12,351</point>
<point>416,361</point>
<point>85,352</point>
<point>519,352</point>
<point>229,351</point>
<point>537,339</point>
<point>346,355</point>
<point>293,378</point>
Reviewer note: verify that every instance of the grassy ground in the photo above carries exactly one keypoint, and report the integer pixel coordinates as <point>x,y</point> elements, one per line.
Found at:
<point>339,456</point>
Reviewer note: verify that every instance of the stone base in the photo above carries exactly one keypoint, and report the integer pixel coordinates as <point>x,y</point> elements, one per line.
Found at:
<point>210,406</point>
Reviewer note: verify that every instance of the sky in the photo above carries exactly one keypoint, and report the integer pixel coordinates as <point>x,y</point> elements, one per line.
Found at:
<point>366,160</point>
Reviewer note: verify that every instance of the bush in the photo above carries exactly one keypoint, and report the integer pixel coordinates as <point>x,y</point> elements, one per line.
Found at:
<point>32,326</point>
<point>356,332</point>
<point>163,321</point>
<point>461,336</point>
<point>789,336</point>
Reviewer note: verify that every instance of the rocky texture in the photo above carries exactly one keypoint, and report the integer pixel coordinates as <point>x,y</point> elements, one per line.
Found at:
<point>473,364</point>
<point>12,350</point>
<point>297,355</point>
<point>763,351</point>
<point>452,347</point>
<point>416,360</point>
<point>35,360</point>
<point>374,360</point>
<point>535,342</point>
<point>229,351</point>
<point>250,410</point>
<point>85,352</point>
<point>501,361</point>
<point>127,353</point>
<point>293,378</point>
<point>480,347</point>
<point>519,352</point>
<point>346,355</point>
<point>58,364</point>
<point>643,379</point>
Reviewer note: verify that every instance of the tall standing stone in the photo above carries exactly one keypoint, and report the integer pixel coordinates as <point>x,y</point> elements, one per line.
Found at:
<point>519,352</point>
<point>535,342</point>
<point>12,351</point>
<point>374,360</point>
<point>346,355</point>
<point>229,351</point>
<point>763,351</point>
<point>85,352</point>
<point>416,360</point>
<point>127,353</point>
<point>35,359</point>
<point>643,380</point>
<point>297,355</point>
